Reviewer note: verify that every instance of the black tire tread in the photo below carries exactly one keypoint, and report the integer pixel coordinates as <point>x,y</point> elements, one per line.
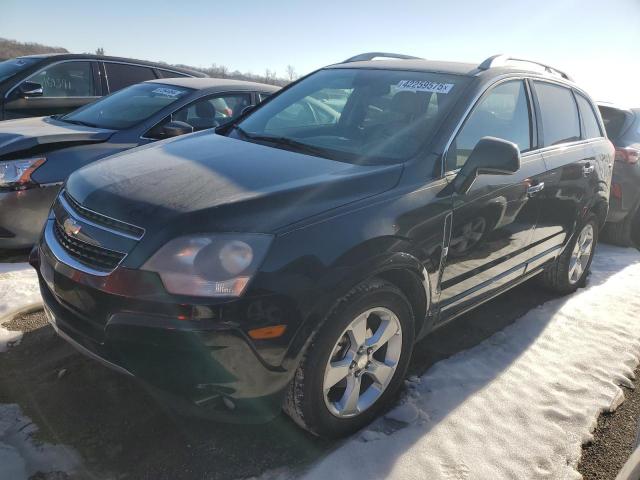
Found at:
<point>292,405</point>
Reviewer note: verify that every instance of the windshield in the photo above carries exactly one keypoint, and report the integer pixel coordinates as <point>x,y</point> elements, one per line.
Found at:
<point>128,106</point>
<point>8,68</point>
<point>356,115</point>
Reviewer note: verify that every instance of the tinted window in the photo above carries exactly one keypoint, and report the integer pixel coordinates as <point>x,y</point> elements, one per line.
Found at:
<point>501,113</point>
<point>120,75</point>
<point>560,121</point>
<point>356,115</point>
<point>206,112</point>
<point>589,120</point>
<point>8,68</point>
<point>170,74</point>
<point>67,79</point>
<point>614,121</point>
<point>127,107</point>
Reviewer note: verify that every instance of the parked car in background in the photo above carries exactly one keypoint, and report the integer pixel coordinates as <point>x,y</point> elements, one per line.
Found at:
<point>38,154</point>
<point>37,85</point>
<point>623,129</point>
<point>285,264</point>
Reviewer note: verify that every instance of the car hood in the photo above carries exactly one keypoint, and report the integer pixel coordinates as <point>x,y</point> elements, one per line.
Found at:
<point>28,133</point>
<point>210,183</point>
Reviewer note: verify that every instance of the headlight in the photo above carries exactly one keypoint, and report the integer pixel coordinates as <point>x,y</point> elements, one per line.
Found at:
<point>17,173</point>
<point>218,265</point>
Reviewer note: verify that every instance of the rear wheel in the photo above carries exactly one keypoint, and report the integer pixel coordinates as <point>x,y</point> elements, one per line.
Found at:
<point>356,362</point>
<point>570,270</point>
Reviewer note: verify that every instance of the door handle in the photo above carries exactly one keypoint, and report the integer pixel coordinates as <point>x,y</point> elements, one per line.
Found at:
<point>588,170</point>
<point>533,189</point>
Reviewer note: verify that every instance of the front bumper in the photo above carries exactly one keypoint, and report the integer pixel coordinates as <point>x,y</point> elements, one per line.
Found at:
<point>23,214</point>
<point>204,367</point>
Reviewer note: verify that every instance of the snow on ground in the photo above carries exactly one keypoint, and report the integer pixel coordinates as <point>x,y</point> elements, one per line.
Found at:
<point>18,292</point>
<point>518,405</point>
<point>20,455</point>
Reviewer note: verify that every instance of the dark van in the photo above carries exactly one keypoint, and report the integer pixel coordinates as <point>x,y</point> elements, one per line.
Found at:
<point>51,84</point>
<point>292,260</point>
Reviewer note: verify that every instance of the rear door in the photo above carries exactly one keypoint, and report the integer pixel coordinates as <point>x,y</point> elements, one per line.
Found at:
<point>493,222</point>
<point>571,181</point>
<point>66,85</point>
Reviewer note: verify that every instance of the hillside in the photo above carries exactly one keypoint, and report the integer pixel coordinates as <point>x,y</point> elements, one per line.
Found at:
<point>11,49</point>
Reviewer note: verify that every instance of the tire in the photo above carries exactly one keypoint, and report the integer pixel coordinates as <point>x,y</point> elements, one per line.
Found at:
<point>557,278</point>
<point>322,415</point>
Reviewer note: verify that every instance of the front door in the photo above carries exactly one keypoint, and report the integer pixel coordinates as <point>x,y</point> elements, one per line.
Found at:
<point>65,87</point>
<point>493,222</point>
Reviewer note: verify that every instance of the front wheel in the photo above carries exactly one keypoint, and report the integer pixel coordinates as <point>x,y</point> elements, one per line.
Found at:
<point>572,267</point>
<point>355,363</point>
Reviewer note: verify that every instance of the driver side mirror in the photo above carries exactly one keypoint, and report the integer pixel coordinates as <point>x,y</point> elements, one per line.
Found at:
<point>176,128</point>
<point>30,89</point>
<point>490,156</point>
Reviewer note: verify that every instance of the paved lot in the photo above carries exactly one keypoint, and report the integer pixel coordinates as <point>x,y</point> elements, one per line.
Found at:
<point>121,432</point>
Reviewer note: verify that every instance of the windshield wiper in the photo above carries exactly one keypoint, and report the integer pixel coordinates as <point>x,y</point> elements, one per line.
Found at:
<point>287,142</point>
<point>78,122</point>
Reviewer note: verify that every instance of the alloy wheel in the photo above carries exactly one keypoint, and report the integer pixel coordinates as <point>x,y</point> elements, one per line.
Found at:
<point>581,254</point>
<point>363,362</point>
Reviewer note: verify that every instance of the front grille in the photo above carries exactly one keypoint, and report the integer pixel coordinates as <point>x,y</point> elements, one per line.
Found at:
<point>89,255</point>
<point>100,219</point>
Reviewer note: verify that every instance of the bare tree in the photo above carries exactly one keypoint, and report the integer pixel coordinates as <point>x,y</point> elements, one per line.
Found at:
<point>291,73</point>
<point>99,51</point>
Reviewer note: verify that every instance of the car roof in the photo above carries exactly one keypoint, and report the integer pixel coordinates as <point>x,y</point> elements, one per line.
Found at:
<point>215,83</point>
<point>91,56</point>
<point>491,67</point>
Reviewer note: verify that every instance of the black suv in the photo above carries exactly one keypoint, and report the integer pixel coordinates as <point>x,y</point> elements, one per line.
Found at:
<point>293,259</point>
<point>51,84</point>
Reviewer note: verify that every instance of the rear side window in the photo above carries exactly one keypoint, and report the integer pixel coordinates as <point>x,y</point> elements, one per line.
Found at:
<point>560,121</point>
<point>67,79</point>
<point>589,120</point>
<point>170,74</point>
<point>120,75</point>
<point>502,113</point>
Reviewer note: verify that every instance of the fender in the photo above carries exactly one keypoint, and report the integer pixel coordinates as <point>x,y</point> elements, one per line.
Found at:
<point>384,266</point>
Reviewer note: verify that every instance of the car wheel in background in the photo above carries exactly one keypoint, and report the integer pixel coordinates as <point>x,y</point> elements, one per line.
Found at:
<point>355,363</point>
<point>570,270</point>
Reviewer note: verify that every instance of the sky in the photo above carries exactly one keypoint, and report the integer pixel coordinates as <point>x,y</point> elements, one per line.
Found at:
<point>595,41</point>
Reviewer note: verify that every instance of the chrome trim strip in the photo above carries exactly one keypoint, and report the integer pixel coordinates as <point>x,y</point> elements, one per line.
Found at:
<point>63,257</point>
<point>78,216</point>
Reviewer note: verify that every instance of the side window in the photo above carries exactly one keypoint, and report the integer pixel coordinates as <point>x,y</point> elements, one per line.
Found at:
<point>263,95</point>
<point>170,74</point>
<point>68,79</point>
<point>560,121</point>
<point>503,113</point>
<point>120,75</point>
<point>206,112</point>
<point>589,120</point>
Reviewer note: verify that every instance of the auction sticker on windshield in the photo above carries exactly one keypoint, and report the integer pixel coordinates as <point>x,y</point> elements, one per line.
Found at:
<point>168,92</point>
<point>424,86</point>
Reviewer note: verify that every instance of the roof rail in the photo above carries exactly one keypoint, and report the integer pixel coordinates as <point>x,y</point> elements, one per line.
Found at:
<point>502,60</point>
<point>363,57</point>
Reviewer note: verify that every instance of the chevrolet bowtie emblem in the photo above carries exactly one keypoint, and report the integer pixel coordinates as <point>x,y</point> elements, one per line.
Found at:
<point>71,227</point>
